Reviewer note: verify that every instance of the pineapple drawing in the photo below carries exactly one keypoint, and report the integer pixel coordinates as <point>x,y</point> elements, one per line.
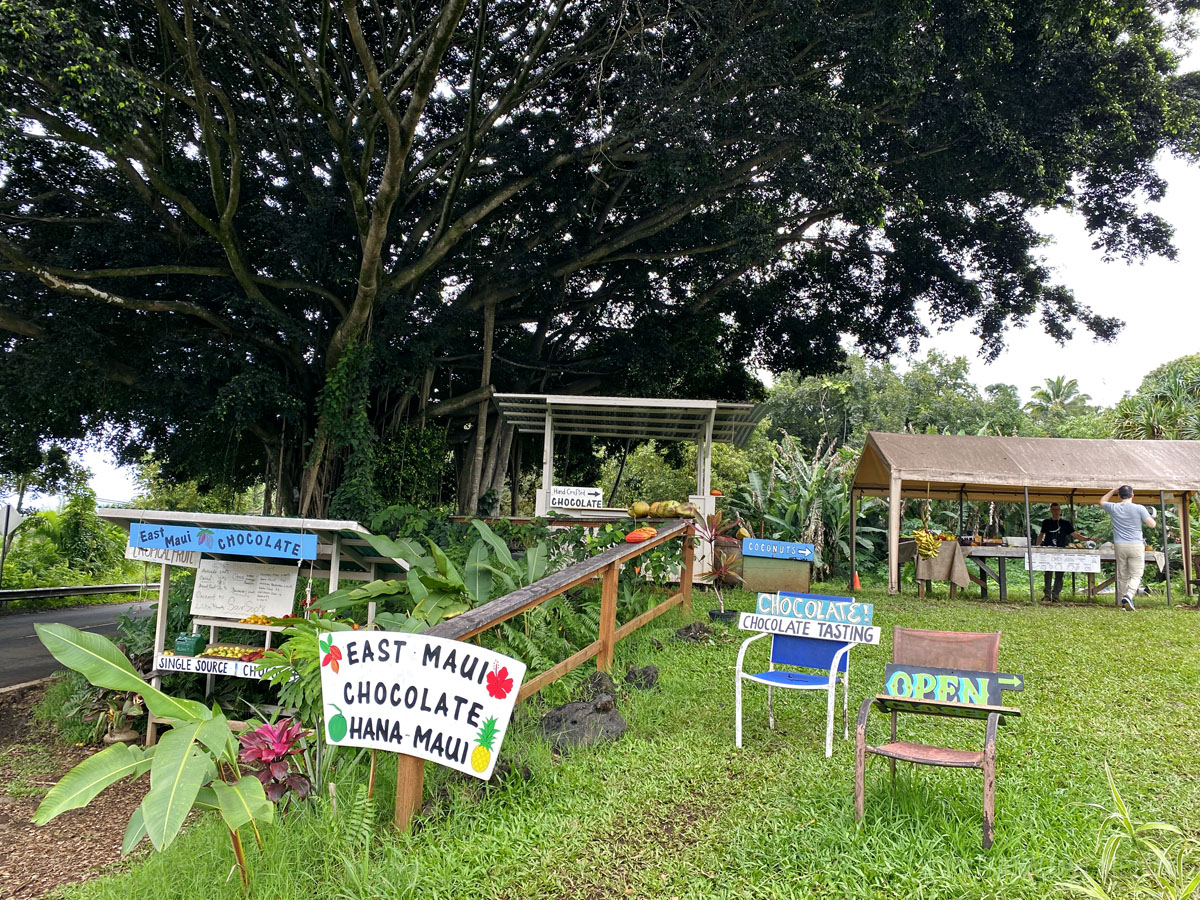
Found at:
<point>481,756</point>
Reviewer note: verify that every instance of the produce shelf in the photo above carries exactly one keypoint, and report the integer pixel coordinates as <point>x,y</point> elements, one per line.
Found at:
<point>234,623</point>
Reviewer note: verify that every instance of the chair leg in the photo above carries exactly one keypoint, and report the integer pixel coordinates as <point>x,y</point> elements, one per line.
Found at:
<point>989,780</point>
<point>860,761</point>
<point>832,694</point>
<point>737,706</point>
<point>771,707</point>
<point>892,762</point>
<point>846,708</point>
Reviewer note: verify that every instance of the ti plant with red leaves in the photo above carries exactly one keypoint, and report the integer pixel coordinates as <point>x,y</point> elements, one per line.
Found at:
<point>721,539</point>
<point>267,753</point>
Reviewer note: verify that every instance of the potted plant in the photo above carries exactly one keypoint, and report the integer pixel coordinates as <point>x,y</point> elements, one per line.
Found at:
<point>721,540</point>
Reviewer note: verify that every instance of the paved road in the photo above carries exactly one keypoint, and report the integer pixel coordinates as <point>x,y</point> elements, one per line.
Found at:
<point>22,656</point>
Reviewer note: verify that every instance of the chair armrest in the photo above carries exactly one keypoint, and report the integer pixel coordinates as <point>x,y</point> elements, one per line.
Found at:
<point>745,644</point>
<point>989,739</point>
<point>833,666</point>
<point>863,711</point>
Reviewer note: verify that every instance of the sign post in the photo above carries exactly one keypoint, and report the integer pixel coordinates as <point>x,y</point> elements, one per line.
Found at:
<point>12,518</point>
<point>423,697</point>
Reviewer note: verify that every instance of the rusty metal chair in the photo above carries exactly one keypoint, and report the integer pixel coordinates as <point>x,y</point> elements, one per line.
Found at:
<point>948,650</point>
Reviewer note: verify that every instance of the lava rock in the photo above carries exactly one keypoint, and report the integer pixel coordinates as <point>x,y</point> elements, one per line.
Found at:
<point>643,679</point>
<point>697,633</point>
<point>604,703</point>
<point>596,684</point>
<point>581,724</point>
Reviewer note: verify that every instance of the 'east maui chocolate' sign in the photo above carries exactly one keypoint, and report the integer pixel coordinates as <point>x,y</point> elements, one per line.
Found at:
<point>233,541</point>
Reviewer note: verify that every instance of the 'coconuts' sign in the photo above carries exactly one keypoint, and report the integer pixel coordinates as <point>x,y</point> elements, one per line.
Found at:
<point>429,697</point>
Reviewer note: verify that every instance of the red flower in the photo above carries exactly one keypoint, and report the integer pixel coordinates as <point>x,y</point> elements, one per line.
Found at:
<point>331,657</point>
<point>498,683</point>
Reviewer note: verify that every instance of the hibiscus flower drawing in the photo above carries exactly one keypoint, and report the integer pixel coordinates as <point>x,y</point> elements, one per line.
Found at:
<point>499,683</point>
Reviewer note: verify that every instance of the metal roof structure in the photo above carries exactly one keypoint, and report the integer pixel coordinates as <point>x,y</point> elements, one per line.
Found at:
<point>631,417</point>
<point>342,551</point>
<point>985,468</point>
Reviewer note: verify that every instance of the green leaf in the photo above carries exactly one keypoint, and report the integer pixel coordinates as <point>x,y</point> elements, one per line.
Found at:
<point>380,589</point>
<point>98,660</point>
<point>499,547</point>
<point>478,579</point>
<point>536,558</point>
<point>400,622</point>
<point>175,778</point>
<point>445,568</point>
<point>134,832</point>
<point>89,778</point>
<point>218,739</point>
<point>243,802</point>
<point>401,548</point>
<point>416,589</point>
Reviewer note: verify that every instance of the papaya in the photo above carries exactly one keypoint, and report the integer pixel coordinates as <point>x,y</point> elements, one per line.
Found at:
<point>635,537</point>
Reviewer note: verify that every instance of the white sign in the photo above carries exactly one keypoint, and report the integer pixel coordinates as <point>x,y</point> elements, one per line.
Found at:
<point>1046,560</point>
<point>206,665</point>
<point>576,498</point>
<point>186,558</point>
<point>825,631</point>
<point>430,697</point>
<point>10,519</point>
<point>235,590</point>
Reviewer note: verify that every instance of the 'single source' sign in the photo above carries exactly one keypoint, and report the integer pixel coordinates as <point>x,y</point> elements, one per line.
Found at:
<point>777,549</point>
<point>205,665</point>
<point>234,541</point>
<point>576,498</point>
<point>429,697</point>
<point>814,607</point>
<point>949,685</point>
<point>235,590</point>
<point>187,558</point>
<point>826,631</point>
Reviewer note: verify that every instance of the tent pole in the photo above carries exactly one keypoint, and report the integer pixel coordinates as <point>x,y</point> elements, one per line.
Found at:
<point>1162,497</point>
<point>1073,522</point>
<point>1029,545</point>
<point>1185,538</point>
<point>853,533</point>
<point>960,510</point>
<point>547,464</point>
<point>894,534</point>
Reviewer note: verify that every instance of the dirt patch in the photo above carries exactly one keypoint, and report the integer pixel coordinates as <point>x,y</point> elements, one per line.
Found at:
<point>76,845</point>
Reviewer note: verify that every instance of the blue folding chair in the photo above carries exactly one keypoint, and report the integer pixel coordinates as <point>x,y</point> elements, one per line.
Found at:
<point>830,658</point>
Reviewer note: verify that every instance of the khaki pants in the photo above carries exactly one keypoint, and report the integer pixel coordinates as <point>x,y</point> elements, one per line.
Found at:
<point>1131,562</point>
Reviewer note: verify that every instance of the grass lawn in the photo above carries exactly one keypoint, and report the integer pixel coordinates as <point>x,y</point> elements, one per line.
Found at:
<point>673,810</point>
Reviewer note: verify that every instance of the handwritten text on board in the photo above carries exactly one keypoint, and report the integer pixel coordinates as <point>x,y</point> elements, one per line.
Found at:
<point>430,697</point>
<point>949,685</point>
<point>235,542</point>
<point>576,498</point>
<point>187,558</point>
<point>1065,560</point>
<point>235,590</point>
<point>815,607</point>
<point>826,631</point>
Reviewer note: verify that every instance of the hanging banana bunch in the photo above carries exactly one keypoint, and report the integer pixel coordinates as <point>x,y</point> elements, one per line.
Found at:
<point>929,543</point>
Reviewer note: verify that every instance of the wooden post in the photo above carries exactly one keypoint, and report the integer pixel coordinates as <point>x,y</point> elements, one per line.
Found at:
<point>1029,547</point>
<point>1185,538</point>
<point>1162,500</point>
<point>410,784</point>
<point>160,639</point>
<point>685,567</point>
<point>853,535</point>
<point>894,534</point>
<point>371,775</point>
<point>335,563</point>
<point>543,503</point>
<point>608,618</point>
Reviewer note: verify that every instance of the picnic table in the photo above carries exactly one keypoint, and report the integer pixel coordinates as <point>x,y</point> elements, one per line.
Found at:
<point>985,559</point>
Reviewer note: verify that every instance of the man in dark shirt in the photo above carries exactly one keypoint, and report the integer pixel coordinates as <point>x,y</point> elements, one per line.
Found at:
<point>1056,532</point>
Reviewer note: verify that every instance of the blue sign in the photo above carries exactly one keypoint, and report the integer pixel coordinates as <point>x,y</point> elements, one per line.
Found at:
<point>777,549</point>
<point>235,542</point>
<point>814,608</point>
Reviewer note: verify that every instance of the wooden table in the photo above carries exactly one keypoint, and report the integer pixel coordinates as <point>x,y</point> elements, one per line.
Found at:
<point>985,557</point>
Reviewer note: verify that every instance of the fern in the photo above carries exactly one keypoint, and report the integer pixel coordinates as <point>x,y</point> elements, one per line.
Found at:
<point>355,820</point>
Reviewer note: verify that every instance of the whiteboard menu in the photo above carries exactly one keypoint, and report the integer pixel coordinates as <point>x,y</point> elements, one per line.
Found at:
<point>1046,560</point>
<point>234,590</point>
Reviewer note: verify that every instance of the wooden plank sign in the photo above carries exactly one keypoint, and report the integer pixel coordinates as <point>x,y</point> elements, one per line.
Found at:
<point>949,685</point>
<point>233,541</point>
<point>429,697</point>
<point>825,631</point>
<point>235,590</point>
<point>777,549</point>
<point>188,559</point>
<point>562,497</point>
<point>814,607</point>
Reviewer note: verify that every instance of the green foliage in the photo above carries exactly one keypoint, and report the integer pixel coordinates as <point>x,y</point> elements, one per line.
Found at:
<point>157,491</point>
<point>1165,407</point>
<point>194,764</point>
<point>1055,402</point>
<point>1166,860</point>
<point>343,411</point>
<point>412,465</point>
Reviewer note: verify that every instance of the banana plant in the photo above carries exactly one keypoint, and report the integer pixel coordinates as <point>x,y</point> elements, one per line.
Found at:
<point>513,573</point>
<point>194,765</point>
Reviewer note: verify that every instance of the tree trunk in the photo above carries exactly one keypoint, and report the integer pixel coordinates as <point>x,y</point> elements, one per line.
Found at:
<point>471,501</point>
<point>620,471</point>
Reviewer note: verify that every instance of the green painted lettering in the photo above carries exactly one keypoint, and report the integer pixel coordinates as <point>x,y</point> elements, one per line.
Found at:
<point>899,685</point>
<point>973,690</point>
<point>923,684</point>
<point>946,687</point>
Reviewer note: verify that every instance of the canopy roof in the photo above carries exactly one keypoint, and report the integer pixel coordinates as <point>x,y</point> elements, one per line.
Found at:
<point>947,466</point>
<point>631,417</point>
<point>357,560</point>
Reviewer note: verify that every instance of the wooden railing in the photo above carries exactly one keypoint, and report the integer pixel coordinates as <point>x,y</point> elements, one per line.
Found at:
<point>410,775</point>
<point>45,593</point>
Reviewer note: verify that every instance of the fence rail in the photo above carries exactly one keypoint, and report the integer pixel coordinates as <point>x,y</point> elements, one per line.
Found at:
<point>410,771</point>
<point>47,593</point>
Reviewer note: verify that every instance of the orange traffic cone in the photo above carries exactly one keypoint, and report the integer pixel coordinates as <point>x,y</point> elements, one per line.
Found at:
<point>857,583</point>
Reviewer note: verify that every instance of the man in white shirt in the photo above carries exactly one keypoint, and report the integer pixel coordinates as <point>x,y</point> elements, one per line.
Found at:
<point>1127,520</point>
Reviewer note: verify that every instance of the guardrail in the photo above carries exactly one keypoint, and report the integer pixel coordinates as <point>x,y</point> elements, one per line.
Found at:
<point>410,772</point>
<point>47,593</point>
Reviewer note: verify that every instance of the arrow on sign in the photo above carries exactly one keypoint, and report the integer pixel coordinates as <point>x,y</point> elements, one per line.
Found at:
<point>1011,682</point>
